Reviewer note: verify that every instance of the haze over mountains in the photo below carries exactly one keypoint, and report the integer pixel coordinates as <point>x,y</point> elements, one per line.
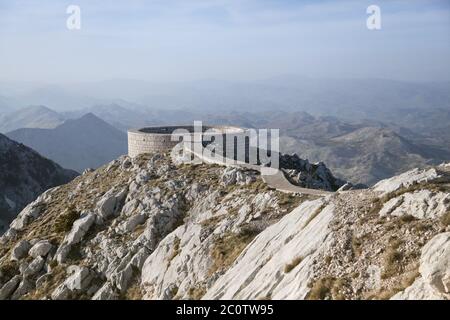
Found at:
<point>344,97</point>
<point>87,142</point>
<point>30,117</point>
<point>363,129</point>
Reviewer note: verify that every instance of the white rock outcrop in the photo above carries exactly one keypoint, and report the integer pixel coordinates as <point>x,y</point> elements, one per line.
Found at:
<point>406,179</point>
<point>434,280</point>
<point>144,228</point>
<point>423,204</point>
<point>20,250</point>
<point>259,272</point>
<point>79,228</point>
<point>40,249</point>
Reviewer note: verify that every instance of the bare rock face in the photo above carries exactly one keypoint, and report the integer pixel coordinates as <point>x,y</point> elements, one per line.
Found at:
<point>24,175</point>
<point>423,204</point>
<point>434,280</point>
<point>20,250</point>
<point>407,179</point>
<point>260,271</point>
<point>40,249</point>
<point>435,263</point>
<point>148,228</point>
<point>79,228</point>
<point>8,288</point>
<point>305,174</point>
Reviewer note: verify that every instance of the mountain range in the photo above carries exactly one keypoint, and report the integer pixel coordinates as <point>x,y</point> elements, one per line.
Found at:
<point>30,117</point>
<point>347,98</point>
<point>361,151</point>
<point>78,144</point>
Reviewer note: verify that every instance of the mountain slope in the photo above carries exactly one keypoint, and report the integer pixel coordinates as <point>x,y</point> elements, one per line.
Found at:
<point>87,142</point>
<point>367,154</point>
<point>31,117</point>
<point>155,229</point>
<point>24,175</point>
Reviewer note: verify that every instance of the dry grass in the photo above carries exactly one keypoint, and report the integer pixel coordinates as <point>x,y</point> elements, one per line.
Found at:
<point>58,275</point>
<point>356,246</point>
<point>291,265</point>
<point>196,293</point>
<point>289,201</point>
<point>64,222</point>
<point>327,288</point>
<point>404,282</point>
<point>175,250</point>
<point>228,247</point>
<point>392,259</point>
<point>8,270</point>
<point>445,219</point>
<point>213,221</point>
<point>315,214</point>
<point>134,292</point>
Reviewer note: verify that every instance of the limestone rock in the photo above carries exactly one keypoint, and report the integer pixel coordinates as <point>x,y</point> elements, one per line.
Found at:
<point>423,204</point>
<point>233,175</point>
<point>79,279</point>
<point>25,286</point>
<point>20,251</point>
<point>79,228</point>
<point>8,288</point>
<point>186,234</point>
<point>106,292</point>
<point>435,263</point>
<point>259,271</point>
<point>28,214</point>
<point>419,290</point>
<point>41,249</point>
<point>406,179</point>
<point>34,267</point>
<point>109,203</point>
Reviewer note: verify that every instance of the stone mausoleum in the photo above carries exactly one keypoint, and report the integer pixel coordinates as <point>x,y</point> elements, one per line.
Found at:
<point>161,139</point>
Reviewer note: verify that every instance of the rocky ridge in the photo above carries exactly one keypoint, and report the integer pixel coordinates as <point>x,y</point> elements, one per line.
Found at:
<point>24,175</point>
<point>148,228</point>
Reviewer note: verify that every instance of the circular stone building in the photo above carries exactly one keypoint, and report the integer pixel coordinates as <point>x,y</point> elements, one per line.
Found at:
<point>158,139</point>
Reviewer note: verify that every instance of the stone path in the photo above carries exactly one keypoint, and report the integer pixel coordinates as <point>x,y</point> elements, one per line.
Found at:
<point>274,178</point>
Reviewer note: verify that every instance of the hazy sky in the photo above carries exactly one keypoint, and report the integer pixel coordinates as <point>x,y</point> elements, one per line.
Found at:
<point>169,40</point>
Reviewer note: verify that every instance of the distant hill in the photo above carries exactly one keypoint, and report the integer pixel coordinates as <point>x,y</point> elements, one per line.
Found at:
<point>124,116</point>
<point>349,98</point>
<point>358,151</point>
<point>364,155</point>
<point>24,174</point>
<point>121,117</point>
<point>87,142</point>
<point>30,117</point>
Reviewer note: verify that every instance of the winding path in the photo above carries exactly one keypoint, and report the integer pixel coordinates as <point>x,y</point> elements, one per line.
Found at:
<point>274,178</point>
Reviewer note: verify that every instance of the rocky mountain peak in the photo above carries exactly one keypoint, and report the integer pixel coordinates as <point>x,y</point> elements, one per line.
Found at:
<point>149,228</point>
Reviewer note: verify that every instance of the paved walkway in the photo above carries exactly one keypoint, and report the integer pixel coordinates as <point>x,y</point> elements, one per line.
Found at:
<point>274,178</point>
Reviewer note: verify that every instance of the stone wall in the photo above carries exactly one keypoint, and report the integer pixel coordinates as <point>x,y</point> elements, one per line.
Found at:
<point>158,139</point>
<point>140,142</point>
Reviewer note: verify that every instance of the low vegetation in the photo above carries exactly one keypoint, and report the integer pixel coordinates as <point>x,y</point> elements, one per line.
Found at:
<point>327,288</point>
<point>196,293</point>
<point>392,259</point>
<point>291,265</point>
<point>64,222</point>
<point>228,247</point>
